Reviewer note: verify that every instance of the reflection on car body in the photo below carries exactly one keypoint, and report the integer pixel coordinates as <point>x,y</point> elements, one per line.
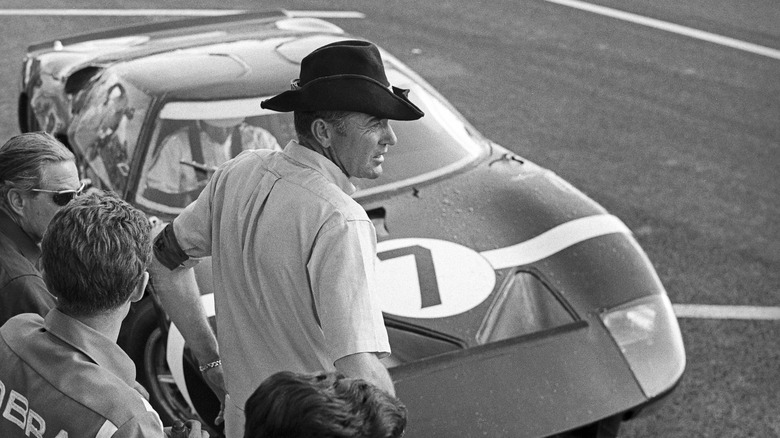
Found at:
<point>106,129</point>
<point>515,304</point>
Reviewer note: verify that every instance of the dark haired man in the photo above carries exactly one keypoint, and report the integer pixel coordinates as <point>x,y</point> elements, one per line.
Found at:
<point>65,376</point>
<point>324,405</point>
<point>293,254</point>
<point>38,176</point>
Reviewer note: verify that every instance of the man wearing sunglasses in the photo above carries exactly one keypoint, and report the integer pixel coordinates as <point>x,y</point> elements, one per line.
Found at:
<point>38,176</point>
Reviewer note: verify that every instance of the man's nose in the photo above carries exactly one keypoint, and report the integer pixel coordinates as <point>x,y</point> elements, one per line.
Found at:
<point>388,135</point>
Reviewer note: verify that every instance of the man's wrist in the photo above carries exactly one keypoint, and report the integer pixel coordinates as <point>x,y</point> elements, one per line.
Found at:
<point>205,367</point>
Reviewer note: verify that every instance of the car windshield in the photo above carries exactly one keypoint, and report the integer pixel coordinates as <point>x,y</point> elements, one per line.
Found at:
<point>106,130</point>
<point>191,139</point>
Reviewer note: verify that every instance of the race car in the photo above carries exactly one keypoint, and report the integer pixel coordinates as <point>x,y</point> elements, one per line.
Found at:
<point>515,304</point>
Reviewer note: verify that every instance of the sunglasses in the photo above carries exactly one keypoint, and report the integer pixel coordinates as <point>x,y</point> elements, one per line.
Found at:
<point>62,197</point>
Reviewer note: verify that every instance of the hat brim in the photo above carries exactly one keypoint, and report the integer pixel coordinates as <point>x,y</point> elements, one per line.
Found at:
<point>347,93</point>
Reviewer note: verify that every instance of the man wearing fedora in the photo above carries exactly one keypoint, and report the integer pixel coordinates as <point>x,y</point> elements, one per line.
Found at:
<point>293,254</point>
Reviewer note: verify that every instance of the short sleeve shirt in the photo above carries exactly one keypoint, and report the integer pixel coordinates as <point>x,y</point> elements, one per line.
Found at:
<point>293,258</point>
<point>60,378</point>
<point>22,289</point>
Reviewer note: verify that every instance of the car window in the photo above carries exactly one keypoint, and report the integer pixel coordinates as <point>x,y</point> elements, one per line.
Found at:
<point>184,153</point>
<point>437,144</point>
<point>106,129</point>
<point>178,163</point>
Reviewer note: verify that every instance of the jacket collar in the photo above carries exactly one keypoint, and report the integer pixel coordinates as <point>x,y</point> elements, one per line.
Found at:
<point>102,350</point>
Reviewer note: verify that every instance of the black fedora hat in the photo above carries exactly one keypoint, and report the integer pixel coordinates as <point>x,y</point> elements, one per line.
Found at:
<point>345,76</point>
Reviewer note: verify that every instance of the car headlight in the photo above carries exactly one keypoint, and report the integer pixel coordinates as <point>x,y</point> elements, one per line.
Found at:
<point>647,333</point>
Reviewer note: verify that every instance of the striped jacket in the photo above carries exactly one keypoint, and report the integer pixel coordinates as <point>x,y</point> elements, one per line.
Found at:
<point>60,378</point>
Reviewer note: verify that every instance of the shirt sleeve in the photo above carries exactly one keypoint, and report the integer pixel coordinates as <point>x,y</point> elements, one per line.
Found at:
<point>167,250</point>
<point>193,226</point>
<point>25,294</point>
<point>342,269</point>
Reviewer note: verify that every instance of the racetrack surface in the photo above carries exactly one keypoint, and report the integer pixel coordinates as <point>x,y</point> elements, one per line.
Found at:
<point>677,136</point>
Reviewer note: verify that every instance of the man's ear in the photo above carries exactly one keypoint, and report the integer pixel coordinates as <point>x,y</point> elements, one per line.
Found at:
<point>321,131</point>
<point>15,200</point>
<point>138,293</point>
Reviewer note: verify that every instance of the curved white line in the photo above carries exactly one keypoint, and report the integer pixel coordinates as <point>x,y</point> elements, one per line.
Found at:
<point>555,240</point>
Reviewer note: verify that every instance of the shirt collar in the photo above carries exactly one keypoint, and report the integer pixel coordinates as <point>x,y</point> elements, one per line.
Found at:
<point>29,249</point>
<point>321,164</point>
<point>103,351</point>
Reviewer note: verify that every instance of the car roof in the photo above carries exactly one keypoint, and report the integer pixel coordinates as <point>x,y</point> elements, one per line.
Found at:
<point>205,59</point>
<point>249,66</point>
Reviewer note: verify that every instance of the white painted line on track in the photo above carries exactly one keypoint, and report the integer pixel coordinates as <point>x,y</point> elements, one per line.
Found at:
<point>671,27</point>
<point>707,311</point>
<point>168,12</point>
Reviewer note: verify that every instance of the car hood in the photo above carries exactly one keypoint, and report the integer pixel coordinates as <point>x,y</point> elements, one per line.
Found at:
<point>459,240</point>
<point>472,236</point>
<point>501,217</point>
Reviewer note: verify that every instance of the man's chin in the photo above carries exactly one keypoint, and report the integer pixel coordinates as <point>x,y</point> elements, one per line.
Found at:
<point>374,173</point>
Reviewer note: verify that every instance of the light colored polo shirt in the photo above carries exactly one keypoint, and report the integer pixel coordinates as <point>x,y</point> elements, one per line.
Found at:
<point>294,265</point>
<point>59,378</point>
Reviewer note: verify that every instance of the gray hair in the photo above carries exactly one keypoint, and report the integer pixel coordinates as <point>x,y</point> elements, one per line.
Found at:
<point>304,119</point>
<point>94,253</point>
<point>23,157</point>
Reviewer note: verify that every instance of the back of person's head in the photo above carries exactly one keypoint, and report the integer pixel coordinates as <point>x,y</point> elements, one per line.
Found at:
<point>94,253</point>
<point>23,157</point>
<point>326,405</point>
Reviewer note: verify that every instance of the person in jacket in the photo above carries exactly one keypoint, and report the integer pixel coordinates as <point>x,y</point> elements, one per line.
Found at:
<point>63,375</point>
<point>38,176</point>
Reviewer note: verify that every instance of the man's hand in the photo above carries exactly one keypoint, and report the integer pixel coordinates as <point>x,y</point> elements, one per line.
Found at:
<point>187,429</point>
<point>215,378</point>
<point>368,367</point>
